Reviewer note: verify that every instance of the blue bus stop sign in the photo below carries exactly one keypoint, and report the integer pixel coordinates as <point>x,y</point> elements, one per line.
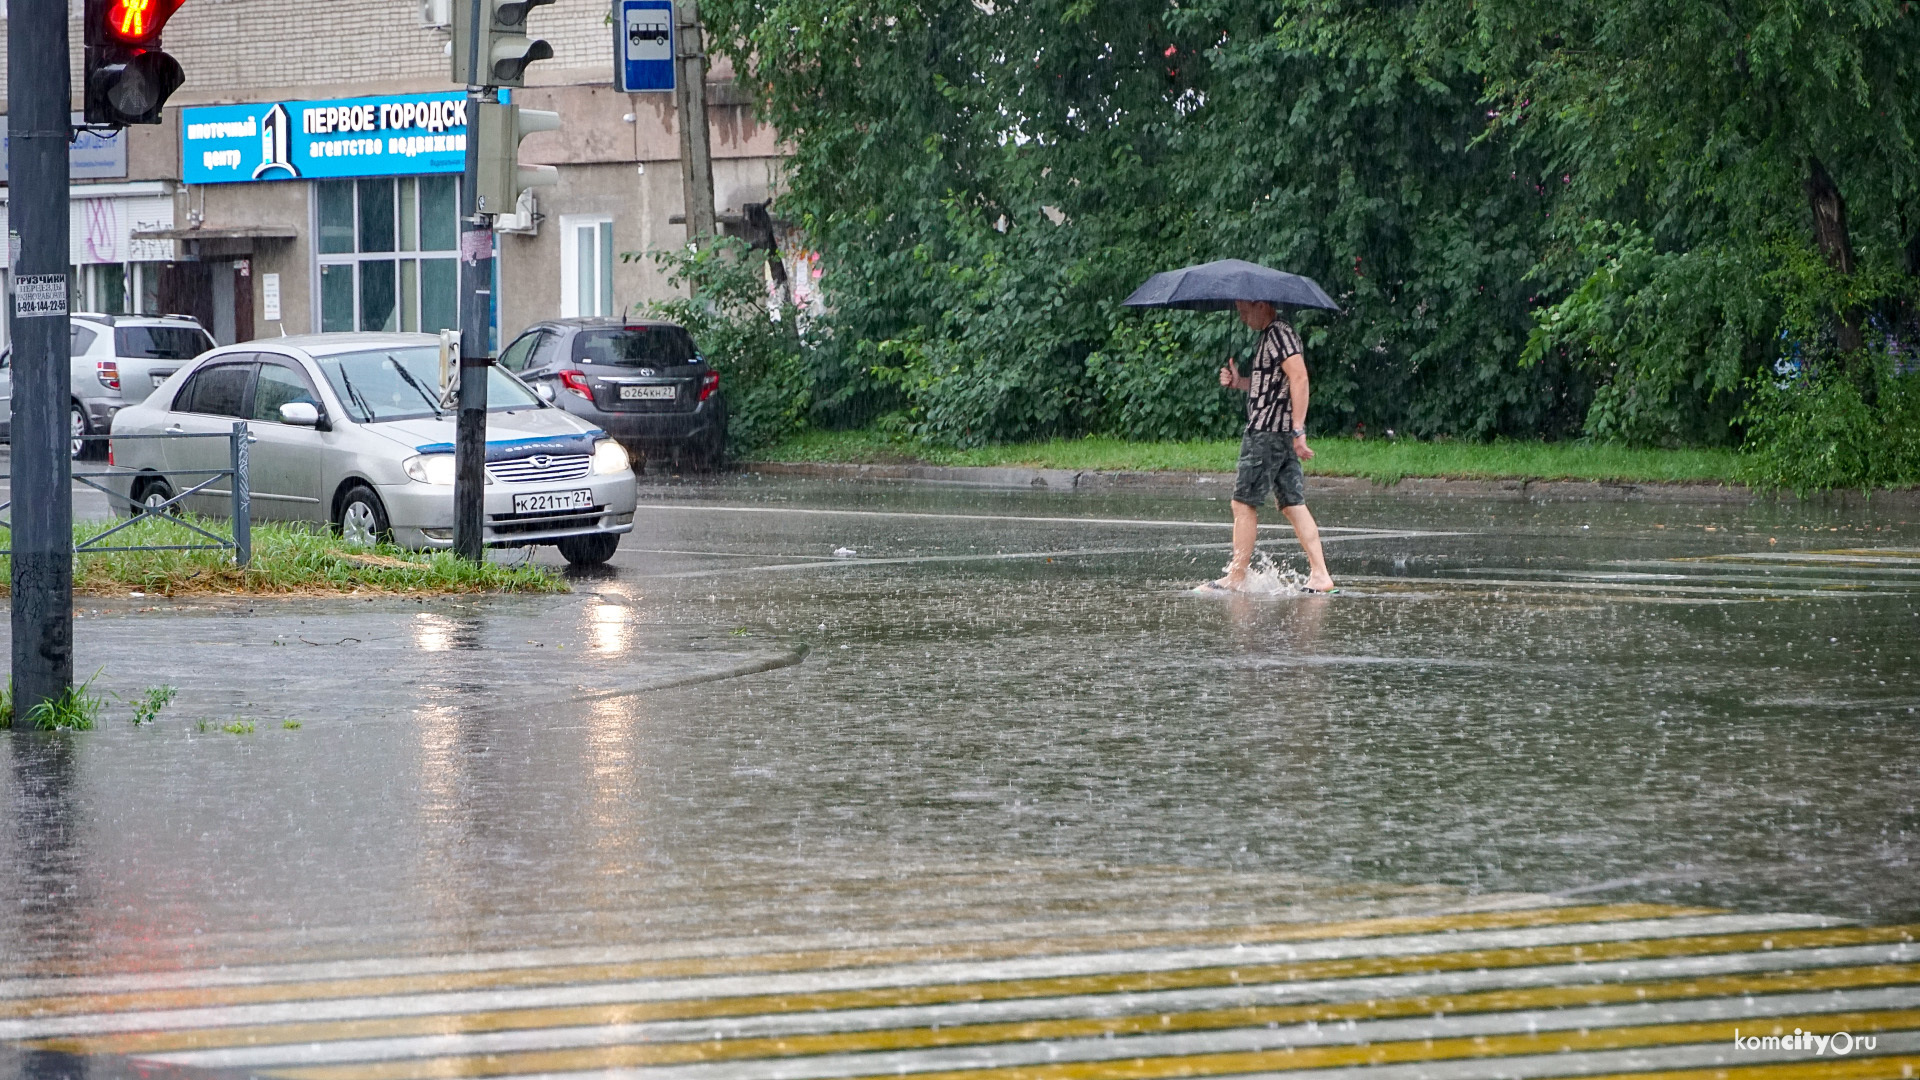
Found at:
<point>643,45</point>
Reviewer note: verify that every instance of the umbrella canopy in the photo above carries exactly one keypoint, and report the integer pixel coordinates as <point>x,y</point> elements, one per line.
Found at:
<point>1215,286</point>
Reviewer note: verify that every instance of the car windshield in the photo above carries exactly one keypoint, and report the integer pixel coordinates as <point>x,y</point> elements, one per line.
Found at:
<point>404,383</point>
<point>634,346</point>
<point>161,342</point>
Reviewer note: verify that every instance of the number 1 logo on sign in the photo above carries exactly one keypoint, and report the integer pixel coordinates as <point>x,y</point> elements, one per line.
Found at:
<point>39,296</point>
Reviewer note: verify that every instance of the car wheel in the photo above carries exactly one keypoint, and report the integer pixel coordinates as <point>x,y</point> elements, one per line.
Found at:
<point>77,426</point>
<point>363,521</point>
<point>152,491</point>
<point>588,550</point>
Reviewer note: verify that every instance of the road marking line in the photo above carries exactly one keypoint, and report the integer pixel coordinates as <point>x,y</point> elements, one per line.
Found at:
<point>698,998</point>
<point>1750,973</point>
<point>704,978</point>
<point>1503,1012</point>
<point>1699,1062</point>
<point>1144,1056</point>
<point>734,955</point>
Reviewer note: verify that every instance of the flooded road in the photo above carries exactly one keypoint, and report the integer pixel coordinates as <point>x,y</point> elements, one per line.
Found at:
<point>992,717</point>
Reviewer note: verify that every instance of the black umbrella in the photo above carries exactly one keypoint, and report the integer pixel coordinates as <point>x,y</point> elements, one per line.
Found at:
<point>1215,286</point>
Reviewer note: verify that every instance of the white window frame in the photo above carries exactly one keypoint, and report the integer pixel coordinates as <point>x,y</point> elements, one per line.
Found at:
<point>572,293</point>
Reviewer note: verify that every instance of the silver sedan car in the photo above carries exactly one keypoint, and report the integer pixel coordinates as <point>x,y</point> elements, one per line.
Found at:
<point>349,430</point>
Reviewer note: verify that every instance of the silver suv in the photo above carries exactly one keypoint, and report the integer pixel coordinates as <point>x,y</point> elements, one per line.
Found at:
<point>117,361</point>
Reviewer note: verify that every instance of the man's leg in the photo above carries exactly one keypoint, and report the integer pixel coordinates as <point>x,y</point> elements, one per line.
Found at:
<point>1308,531</point>
<point>1246,529</point>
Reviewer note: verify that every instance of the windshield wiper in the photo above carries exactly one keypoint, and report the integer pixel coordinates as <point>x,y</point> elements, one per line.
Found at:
<point>354,395</point>
<point>417,388</point>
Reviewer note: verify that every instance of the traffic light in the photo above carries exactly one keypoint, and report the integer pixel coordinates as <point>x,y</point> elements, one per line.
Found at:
<point>505,50</point>
<point>502,177</point>
<point>128,78</point>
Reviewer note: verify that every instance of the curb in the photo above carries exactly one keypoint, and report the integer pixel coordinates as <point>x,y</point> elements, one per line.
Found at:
<point>1067,480</point>
<point>1206,483</point>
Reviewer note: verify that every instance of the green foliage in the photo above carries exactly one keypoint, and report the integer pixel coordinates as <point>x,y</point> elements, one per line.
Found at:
<point>759,351</point>
<point>73,709</point>
<point>1382,460</point>
<point>287,558</point>
<point>1825,430</point>
<point>1618,191</point>
<point>240,726</point>
<point>148,707</point>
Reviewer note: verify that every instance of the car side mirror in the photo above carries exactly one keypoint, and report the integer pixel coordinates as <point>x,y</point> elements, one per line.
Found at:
<point>545,391</point>
<point>300,414</point>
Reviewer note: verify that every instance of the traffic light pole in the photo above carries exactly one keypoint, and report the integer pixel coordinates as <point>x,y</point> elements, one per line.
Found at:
<point>38,80</point>
<point>476,293</point>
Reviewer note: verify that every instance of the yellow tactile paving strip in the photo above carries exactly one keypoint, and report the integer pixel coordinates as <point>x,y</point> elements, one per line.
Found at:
<point>941,1023</point>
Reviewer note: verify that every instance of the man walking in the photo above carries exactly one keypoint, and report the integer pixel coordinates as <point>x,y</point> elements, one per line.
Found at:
<point>1274,445</point>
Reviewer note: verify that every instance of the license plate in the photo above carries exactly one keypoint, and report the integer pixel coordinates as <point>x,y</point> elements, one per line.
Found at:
<point>159,377</point>
<point>649,393</point>
<point>541,502</point>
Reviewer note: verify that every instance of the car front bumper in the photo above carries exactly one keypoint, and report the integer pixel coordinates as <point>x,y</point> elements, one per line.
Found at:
<point>422,514</point>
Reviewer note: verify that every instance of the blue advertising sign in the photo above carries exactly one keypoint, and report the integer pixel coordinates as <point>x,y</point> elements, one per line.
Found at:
<point>643,46</point>
<point>399,135</point>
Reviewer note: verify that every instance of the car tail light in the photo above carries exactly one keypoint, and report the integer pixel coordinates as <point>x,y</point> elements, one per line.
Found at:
<point>708,384</point>
<point>576,381</point>
<point>109,373</point>
<point>109,454</point>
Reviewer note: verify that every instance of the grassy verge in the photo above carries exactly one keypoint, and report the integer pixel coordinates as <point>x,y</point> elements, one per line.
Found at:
<point>1376,459</point>
<point>287,560</point>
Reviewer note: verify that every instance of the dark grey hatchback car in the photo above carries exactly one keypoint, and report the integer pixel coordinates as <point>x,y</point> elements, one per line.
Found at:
<point>644,383</point>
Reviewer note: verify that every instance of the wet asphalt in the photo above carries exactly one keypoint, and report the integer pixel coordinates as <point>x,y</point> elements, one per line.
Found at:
<point>993,705</point>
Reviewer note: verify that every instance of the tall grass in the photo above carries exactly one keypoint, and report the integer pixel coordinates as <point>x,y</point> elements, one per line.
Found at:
<point>287,559</point>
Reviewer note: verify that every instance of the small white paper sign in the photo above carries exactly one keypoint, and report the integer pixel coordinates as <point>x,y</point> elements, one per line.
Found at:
<point>39,295</point>
<point>270,296</point>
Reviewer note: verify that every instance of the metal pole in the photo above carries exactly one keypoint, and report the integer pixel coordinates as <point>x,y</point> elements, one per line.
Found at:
<point>38,80</point>
<point>242,497</point>
<point>690,98</point>
<point>476,290</point>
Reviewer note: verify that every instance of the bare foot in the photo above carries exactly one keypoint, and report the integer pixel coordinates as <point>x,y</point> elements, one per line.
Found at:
<point>1232,582</point>
<point>1320,583</point>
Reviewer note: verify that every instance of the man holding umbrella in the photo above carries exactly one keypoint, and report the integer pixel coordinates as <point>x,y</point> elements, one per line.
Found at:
<point>1274,445</point>
<point>1275,441</point>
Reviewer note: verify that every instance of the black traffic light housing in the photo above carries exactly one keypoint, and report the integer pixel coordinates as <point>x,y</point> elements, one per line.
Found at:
<point>504,48</point>
<point>128,77</point>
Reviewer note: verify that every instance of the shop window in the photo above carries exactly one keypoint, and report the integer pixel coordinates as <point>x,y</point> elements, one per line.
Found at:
<point>586,259</point>
<point>388,253</point>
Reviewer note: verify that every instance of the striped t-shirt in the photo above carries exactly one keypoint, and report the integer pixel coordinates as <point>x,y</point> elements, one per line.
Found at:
<point>1270,398</point>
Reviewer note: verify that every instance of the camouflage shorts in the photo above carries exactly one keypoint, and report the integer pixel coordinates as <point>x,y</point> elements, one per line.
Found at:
<point>1268,465</point>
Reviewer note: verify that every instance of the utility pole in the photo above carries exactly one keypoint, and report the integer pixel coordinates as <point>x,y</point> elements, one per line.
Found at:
<point>690,100</point>
<point>476,293</point>
<point>39,106</point>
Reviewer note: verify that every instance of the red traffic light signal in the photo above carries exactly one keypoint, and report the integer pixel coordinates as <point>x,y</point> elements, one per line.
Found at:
<point>138,22</point>
<point>128,78</point>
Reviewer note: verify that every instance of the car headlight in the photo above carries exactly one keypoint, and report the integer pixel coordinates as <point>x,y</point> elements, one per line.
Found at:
<point>610,457</point>
<point>431,468</point>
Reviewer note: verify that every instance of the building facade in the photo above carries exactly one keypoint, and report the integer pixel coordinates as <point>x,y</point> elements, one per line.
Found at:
<point>309,181</point>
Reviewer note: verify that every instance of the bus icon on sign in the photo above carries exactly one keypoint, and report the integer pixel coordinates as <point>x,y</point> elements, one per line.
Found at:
<point>641,34</point>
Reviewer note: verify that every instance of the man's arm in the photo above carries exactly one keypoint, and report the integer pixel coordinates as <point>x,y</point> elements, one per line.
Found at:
<point>1231,378</point>
<point>1295,369</point>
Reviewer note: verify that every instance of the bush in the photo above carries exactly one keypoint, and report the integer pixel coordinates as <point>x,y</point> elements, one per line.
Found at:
<point>759,350</point>
<point>1833,429</point>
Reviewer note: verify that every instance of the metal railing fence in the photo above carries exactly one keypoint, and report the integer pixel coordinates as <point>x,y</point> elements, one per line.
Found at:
<point>168,509</point>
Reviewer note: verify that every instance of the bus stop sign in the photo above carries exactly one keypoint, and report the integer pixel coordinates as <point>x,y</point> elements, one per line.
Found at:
<point>643,45</point>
